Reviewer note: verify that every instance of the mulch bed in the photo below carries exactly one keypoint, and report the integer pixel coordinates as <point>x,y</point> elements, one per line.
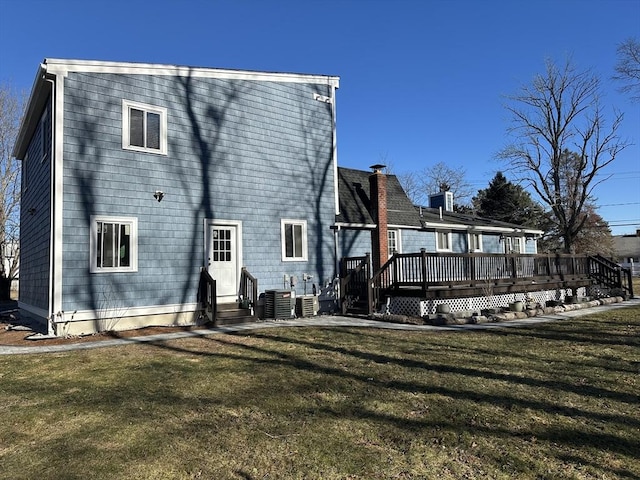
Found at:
<point>15,331</point>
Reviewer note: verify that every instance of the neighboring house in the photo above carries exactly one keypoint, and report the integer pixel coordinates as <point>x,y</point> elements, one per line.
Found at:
<point>627,249</point>
<point>136,176</point>
<point>409,228</point>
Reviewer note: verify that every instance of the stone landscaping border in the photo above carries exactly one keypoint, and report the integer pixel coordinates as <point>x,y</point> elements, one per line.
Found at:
<point>466,318</point>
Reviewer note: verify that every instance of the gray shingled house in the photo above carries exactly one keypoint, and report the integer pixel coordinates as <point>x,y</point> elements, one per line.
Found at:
<point>410,228</point>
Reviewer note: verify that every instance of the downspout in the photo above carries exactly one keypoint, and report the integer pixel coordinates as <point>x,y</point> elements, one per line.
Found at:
<point>336,193</point>
<point>52,283</point>
<point>334,149</point>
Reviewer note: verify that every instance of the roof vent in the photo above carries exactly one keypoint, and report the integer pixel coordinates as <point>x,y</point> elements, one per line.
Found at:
<point>377,168</point>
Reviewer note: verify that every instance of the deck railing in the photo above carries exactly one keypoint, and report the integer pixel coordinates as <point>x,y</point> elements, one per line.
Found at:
<point>207,294</point>
<point>425,271</point>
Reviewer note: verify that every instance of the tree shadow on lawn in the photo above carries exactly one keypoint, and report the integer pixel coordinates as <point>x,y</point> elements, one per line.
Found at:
<point>278,358</point>
<point>468,371</point>
<point>586,331</point>
<point>603,361</point>
<point>139,402</point>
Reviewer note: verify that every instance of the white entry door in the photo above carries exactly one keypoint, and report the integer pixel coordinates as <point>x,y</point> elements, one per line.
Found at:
<point>223,259</point>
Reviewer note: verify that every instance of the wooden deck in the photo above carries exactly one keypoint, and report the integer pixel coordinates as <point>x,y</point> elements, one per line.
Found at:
<point>451,275</point>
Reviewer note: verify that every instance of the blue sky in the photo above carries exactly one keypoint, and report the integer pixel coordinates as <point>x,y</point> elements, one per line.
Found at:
<point>422,82</point>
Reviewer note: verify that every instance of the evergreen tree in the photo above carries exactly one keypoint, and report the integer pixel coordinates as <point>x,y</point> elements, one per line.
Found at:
<point>508,202</point>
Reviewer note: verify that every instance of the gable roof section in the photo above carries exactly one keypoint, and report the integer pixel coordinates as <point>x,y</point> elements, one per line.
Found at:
<point>355,201</point>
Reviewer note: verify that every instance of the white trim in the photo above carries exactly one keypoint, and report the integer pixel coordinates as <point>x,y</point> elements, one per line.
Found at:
<point>57,195</point>
<point>479,228</point>
<point>365,226</point>
<point>64,67</point>
<point>124,312</point>
<point>126,130</point>
<point>133,247</point>
<point>305,246</point>
<point>334,150</point>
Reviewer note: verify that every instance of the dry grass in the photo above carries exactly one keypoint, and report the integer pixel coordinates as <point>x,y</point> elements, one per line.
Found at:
<point>558,400</point>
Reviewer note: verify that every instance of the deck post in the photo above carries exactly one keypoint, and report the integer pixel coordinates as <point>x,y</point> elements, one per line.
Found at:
<point>423,269</point>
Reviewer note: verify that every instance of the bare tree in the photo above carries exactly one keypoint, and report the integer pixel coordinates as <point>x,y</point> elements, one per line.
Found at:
<point>442,177</point>
<point>562,142</point>
<point>420,184</point>
<point>628,68</point>
<point>11,108</point>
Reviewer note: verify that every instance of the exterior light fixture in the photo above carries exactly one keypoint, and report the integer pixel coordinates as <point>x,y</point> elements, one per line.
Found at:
<point>159,195</point>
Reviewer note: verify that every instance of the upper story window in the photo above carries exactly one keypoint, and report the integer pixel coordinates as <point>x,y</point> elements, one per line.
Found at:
<point>113,244</point>
<point>294,240</point>
<point>144,128</point>
<point>443,241</point>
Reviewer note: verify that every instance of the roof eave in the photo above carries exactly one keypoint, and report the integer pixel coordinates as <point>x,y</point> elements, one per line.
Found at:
<point>30,119</point>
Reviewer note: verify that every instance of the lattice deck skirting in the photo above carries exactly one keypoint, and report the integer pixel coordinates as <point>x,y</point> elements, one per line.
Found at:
<point>418,307</point>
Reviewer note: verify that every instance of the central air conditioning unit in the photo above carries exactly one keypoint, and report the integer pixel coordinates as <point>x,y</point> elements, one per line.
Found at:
<point>307,306</point>
<point>279,304</point>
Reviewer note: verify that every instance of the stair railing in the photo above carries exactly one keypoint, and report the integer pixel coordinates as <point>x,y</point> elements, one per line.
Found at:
<point>248,291</point>
<point>610,274</point>
<point>207,295</point>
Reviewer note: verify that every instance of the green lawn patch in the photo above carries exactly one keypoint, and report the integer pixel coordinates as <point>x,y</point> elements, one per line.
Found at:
<point>555,400</point>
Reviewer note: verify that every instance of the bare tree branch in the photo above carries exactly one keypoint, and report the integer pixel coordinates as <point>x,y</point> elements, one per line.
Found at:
<point>628,68</point>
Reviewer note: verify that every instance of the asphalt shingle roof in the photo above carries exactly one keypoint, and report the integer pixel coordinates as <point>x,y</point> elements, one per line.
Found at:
<point>355,206</point>
<point>355,200</point>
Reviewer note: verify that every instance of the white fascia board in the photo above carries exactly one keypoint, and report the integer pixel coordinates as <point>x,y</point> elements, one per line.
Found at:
<point>402,227</point>
<point>31,115</point>
<point>481,229</point>
<point>447,226</point>
<point>63,67</point>
<point>360,226</point>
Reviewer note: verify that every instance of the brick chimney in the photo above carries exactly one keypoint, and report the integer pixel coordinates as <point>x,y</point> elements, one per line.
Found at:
<point>379,237</point>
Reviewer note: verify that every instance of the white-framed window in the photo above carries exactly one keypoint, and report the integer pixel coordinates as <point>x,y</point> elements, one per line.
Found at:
<point>475,242</point>
<point>393,244</point>
<point>513,245</point>
<point>144,127</point>
<point>113,244</point>
<point>294,240</point>
<point>443,241</point>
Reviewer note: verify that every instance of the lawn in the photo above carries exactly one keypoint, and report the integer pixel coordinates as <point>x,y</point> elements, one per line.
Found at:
<point>556,400</point>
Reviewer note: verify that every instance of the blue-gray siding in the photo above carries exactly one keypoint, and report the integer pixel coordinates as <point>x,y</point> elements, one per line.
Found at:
<point>35,217</point>
<point>248,151</point>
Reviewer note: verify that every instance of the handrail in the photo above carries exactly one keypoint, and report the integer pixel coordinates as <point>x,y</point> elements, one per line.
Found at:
<point>352,271</point>
<point>207,294</point>
<point>610,274</point>
<point>248,287</point>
